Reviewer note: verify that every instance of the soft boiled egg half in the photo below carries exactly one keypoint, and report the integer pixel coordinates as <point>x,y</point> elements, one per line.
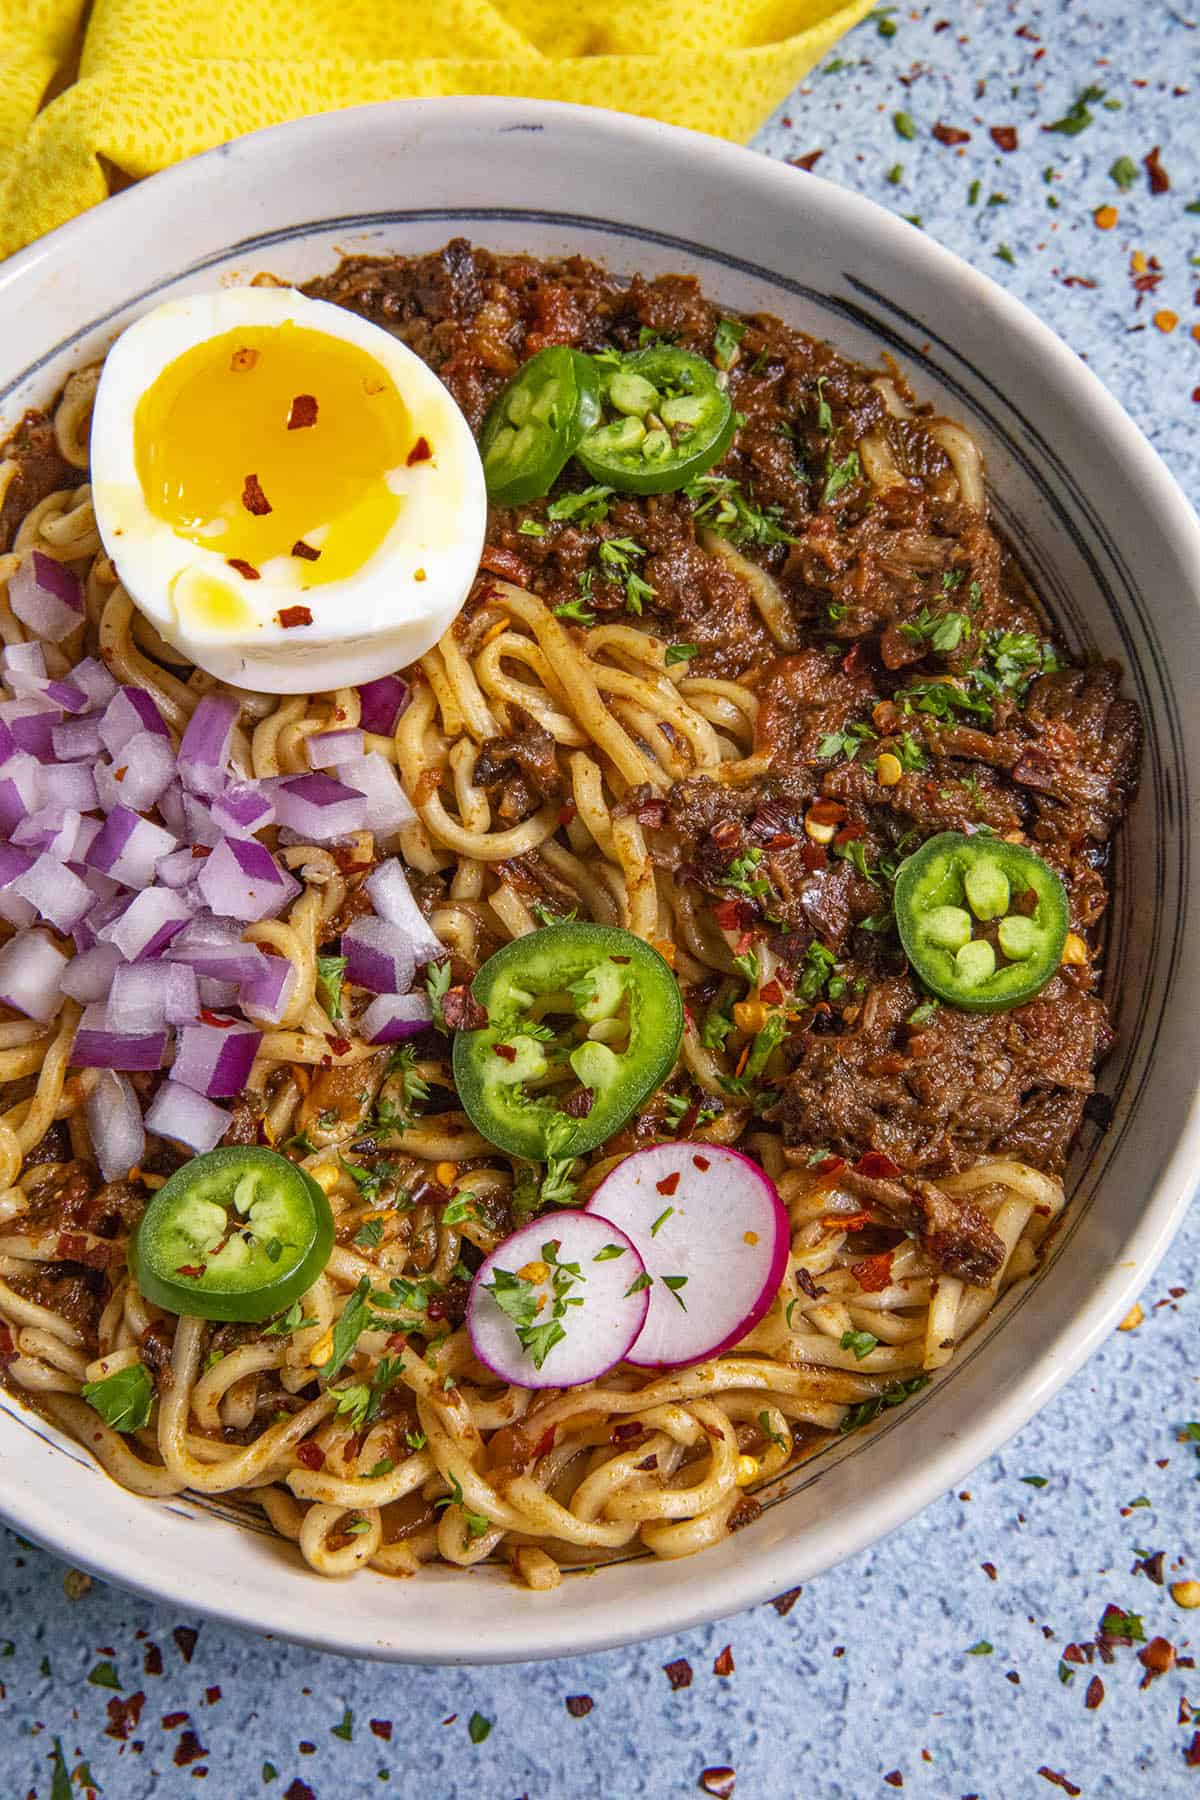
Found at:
<point>288,494</point>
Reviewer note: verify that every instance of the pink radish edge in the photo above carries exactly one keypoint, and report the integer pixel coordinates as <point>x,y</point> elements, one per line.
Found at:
<point>611,1330</point>
<point>633,1207</point>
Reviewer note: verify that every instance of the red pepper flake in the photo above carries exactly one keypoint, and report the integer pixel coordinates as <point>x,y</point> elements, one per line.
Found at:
<point>726,834</point>
<point>420,452</point>
<point>678,1673</point>
<point>877,1166</point>
<point>702,1163</point>
<point>826,812</point>
<point>894,1778</point>
<point>152,1662</point>
<point>245,569</point>
<point>1058,1780</point>
<point>507,1052</point>
<point>172,1721</point>
<point>121,773</point>
<point>382,1728</point>
<point>545,1443</point>
<point>627,1432</point>
<point>217,1019</point>
<point>1004,136</point>
<point>718,1781</point>
<point>310,1455</point>
<point>1079,281</point>
<point>199,850</point>
<point>783,1603</point>
<point>724,1661</point>
<point>1073,1654</point>
<point>185,1639</point>
<point>772,994</point>
<point>950,134</point>
<point>989,1570</point>
<point>339,1045</point>
<point>668,1184</point>
<point>733,915</point>
<point>1095,1694</point>
<point>814,857</point>
<point>579,1705</point>
<point>123,1716</point>
<point>1160,181</point>
<point>299,1790</point>
<point>846,1221</point>
<point>302,412</point>
<point>305,552</point>
<point>809,160</point>
<point>620,959</point>
<point>567,813</point>
<point>253,498</point>
<point>873,1274</point>
<point>1191,1755</point>
<point>829,1165</point>
<point>289,616</point>
<point>212,1695</point>
<point>193,1271</point>
<point>1157,1659</point>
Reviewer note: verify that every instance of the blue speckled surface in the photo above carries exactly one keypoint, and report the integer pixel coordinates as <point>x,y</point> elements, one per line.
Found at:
<point>867,1686</point>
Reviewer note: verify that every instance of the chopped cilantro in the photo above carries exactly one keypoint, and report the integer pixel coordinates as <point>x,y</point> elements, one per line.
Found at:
<point>478,1727</point>
<point>904,125</point>
<point>721,505</point>
<point>866,1410</point>
<point>774,1437</point>
<point>437,986</point>
<point>345,1730</point>
<point>677,653</point>
<point>973,193</point>
<point>361,1401</point>
<point>861,1342</point>
<point>460,1209</point>
<point>982,1648</point>
<point>524,1302</point>
<point>729,334</point>
<point>1037,1481</point>
<point>943,632</point>
<point>1124,173</point>
<point>575,611</point>
<point>104,1675</point>
<point>1078,116</point>
<point>350,1325</point>
<point>331,976</point>
<point>369,1236</point>
<point>896,174</point>
<point>289,1322</point>
<point>846,743</point>
<point>124,1399</point>
<point>1005,254</point>
<point>839,476</point>
<point>589,507</point>
<point>1128,1626</point>
<point>921,1015</point>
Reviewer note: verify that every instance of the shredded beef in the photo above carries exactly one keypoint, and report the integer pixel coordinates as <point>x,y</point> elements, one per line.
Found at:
<point>939,1097</point>
<point>40,471</point>
<point>523,769</point>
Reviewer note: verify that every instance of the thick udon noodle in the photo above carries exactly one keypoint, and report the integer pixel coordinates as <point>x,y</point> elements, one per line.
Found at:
<point>620,718</point>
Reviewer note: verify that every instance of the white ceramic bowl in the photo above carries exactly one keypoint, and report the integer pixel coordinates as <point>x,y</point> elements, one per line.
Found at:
<point>1113,548</point>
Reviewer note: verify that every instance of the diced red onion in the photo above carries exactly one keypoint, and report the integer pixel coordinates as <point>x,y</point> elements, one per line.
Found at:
<point>204,751</point>
<point>24,659</point>
<point>217,995</point>
<point>242,880</point>
<point>13,863</point>
<point>388,806</point>
<point>31,970</point>
<point>69,784</point>
<point>89,976</point>
<point>318,807</point>
<point>214,948</point>
<point>98,1046</point>
<point>391,1018</point>
<point>148,924</point>
<point>201,827</point>
<point>96,681</point>
<point>179,1113</point>
<point>46,596</point>
<point>76,738</point>
<point>138,774</point>
<point>86,833</point>
<point>137,998</point>
<point>128,847</point>
<point>383,701</point>
<point>266,997</point>
<point>181,991</point>
<point>8,743</point>
<point>103,913</point>
<point>179,869</point>
<point>31,724</point>
<point>170,809</point>
<point>72,699</point>
<point>42,828</point>
<point>392,899</point>
<point>325,749</point>
<point>215,1060</point>
<point>60,897</point>
<point>115,1126</point>
<point>379,956</point>
<point>20,789</point>
<point>130,711</point>
<point>242,810</point>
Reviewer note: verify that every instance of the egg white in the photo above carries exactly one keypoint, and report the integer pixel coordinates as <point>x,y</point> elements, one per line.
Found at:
<point>374,621</point>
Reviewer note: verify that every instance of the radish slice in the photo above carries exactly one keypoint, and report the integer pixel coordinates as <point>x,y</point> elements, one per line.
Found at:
<point>713,1234</point>
<point>576,1264</point>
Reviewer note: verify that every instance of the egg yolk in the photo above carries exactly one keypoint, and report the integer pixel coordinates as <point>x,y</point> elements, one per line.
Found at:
<point>275,441</point>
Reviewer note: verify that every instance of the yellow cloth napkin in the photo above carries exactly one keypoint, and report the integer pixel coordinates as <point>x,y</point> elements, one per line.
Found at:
<point>162,79</point>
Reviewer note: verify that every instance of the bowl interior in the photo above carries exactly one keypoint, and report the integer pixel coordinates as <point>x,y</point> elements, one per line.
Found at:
<point>1107,541</point>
